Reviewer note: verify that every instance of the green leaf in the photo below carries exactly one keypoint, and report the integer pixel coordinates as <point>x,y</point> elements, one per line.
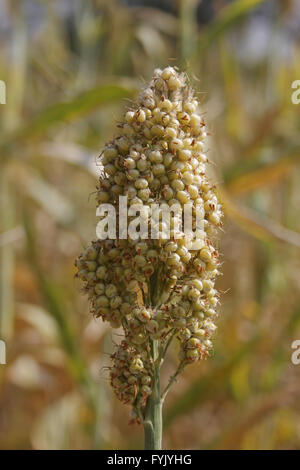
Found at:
<point>230,15</point>
<point>68,111</point>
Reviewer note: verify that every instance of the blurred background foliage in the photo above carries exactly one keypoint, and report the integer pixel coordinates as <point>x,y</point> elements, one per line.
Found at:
<point>71,68</point>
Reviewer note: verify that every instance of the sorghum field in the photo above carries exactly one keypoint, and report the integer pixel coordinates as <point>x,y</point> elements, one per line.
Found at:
<point>71,70</point>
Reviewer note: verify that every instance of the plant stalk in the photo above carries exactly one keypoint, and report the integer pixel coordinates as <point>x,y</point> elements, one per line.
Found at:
<point>153,416</point>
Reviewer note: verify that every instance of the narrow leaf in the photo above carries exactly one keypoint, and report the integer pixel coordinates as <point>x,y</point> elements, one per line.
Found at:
<point>230,15</point>
<point>68,111</point>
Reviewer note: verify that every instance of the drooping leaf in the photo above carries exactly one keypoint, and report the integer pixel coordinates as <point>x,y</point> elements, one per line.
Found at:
<point>262,176</point>
<point>68,111</point>
<point>261,227</point>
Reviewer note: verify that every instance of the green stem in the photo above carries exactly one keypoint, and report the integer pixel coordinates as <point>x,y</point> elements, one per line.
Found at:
<point>153,416</point>
<point>171,381</point>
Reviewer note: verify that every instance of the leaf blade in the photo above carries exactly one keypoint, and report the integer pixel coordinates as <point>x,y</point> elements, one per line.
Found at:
<point>69,110</point>
<point>230,15</point>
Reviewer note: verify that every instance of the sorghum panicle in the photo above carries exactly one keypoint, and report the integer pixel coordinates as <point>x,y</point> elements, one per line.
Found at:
<point>151,287</point>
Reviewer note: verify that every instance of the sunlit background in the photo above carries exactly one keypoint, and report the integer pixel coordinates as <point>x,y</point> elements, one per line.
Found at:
<point>71,68</point>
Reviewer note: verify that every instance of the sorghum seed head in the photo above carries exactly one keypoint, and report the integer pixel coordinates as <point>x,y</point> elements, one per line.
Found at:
<point>154,285</point>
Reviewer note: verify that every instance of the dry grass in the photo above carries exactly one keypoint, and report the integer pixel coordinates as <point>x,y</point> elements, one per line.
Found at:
<point>68,82</point>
